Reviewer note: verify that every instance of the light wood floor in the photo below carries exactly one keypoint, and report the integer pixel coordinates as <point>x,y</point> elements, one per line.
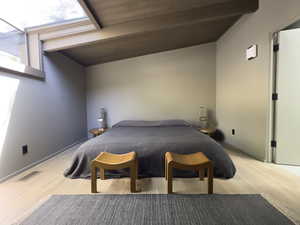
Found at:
<point>21,193</point>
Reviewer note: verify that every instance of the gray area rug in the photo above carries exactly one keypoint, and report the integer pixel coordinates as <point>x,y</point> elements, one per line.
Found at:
<point>156,210</point>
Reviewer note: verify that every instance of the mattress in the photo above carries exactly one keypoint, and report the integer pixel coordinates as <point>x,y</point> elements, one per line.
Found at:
<point>150,140</point>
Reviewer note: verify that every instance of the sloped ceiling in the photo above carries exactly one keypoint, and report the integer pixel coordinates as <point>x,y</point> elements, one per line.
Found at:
<point>157,25</point>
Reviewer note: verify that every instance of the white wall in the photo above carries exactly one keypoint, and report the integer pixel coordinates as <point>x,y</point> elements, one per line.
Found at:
<point>243,86</point>
<point>46,115</point>
<point>165,85</point>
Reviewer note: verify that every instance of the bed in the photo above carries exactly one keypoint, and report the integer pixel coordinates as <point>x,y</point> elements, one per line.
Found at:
<point>150,140</point>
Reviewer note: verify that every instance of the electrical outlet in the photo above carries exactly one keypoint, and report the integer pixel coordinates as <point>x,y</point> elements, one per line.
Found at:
<point>24,149</point>
<point>233,131</point>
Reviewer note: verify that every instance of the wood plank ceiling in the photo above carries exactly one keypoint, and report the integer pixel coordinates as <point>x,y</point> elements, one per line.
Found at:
<point>156,25</point>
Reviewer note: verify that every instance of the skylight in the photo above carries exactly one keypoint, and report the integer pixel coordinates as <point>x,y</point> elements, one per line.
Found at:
<point>30,13</point>
<point>12,45</point>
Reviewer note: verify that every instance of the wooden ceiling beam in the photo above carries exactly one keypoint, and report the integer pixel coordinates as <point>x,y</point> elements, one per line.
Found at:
<point>89,12</point>
<point>123,11</point>
<point>151,42</point>
<point>117,31</point>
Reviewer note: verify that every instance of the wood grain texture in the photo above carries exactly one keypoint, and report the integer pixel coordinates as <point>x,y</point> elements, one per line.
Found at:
<point>195,161</point>
<point>108,161</point>
<point>133,28</point>
<point>277,185</point>
<point>150,42</point>
<point>90,13</point>
<point>121,11</point>
<point>97,131</point>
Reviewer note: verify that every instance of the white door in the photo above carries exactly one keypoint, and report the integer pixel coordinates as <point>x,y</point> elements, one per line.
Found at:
<point>288,104</point>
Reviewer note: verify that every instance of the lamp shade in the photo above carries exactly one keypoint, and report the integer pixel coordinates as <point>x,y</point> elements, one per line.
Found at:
<point>102,118</point>
<point>203,116</point>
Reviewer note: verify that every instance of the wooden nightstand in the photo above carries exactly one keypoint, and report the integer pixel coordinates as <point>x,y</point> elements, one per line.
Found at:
<point>97,131</point>
<point>208,131</point>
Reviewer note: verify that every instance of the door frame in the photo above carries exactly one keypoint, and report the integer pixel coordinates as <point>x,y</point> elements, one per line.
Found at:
<point>270,152</point>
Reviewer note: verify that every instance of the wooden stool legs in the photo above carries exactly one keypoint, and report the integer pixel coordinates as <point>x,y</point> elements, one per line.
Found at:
<point>133,176</point>
<point>102,174</point>
<point>187,162</point>
<point>170,178</point>
<point>210,179</point>
<point>94,179</point>
<point>201,174</point>
<point>166,171</point>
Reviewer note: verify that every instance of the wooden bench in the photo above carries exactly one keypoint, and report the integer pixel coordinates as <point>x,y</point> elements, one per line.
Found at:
<point>108,161</point>
<point>196,161</point>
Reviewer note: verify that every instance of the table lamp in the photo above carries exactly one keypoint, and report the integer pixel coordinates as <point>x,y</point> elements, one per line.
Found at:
<point>203,117</point>
<point>102,119</point>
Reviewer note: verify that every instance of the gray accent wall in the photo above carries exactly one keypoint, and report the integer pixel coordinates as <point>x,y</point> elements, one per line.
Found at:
<point>46,115</point>
<point>243,87</point>
<point>167,85</point>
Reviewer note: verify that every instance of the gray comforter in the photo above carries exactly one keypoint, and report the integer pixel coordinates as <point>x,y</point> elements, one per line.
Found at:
<point>151,140</point>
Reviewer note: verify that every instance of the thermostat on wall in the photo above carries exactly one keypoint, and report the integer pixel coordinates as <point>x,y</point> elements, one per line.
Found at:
<point>251,52</point>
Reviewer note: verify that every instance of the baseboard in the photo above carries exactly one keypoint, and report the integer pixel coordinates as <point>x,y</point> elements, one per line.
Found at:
<point>233,148</point>
<point>41,160</point>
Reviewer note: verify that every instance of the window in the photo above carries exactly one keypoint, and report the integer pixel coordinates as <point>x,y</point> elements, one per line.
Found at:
<point>12,45</point>
<point>29,13</point>
<point>16,16</point>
